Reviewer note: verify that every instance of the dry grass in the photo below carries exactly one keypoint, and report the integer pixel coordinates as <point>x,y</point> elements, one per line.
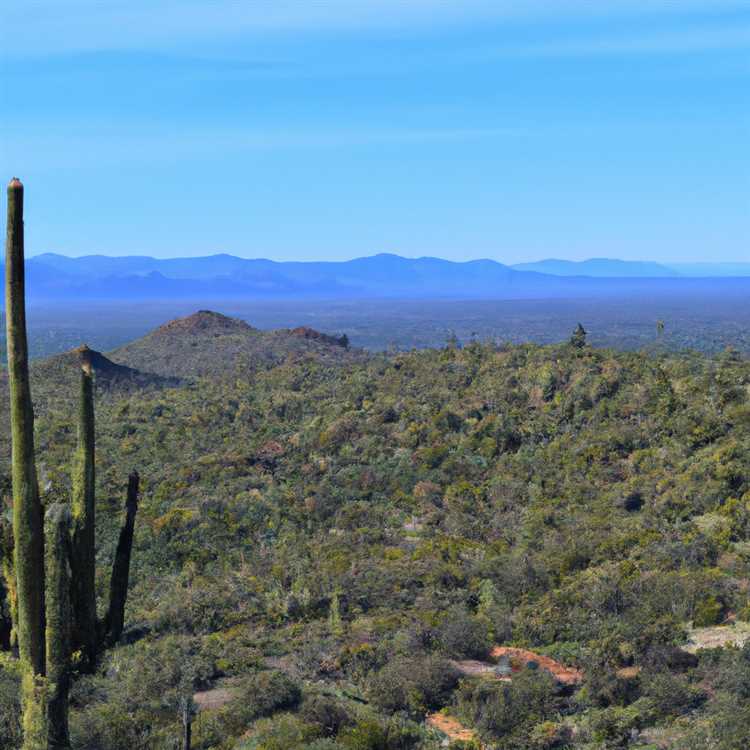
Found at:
<point>717,636</point>
<point>209,700</point>
<point>478,668</point>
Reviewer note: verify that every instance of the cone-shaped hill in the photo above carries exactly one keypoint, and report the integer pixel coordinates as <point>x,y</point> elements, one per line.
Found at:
<point>55,385</point>
<point>63,369</point>
<point>208,343</point>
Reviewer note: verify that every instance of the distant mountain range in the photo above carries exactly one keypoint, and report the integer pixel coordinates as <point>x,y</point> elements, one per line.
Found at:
<point>599,268</point>
<point>613,268</point>
<point>52,277</point>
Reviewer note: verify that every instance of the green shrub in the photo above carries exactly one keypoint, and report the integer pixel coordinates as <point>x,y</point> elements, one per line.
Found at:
<point>323,743</point>
<point>709,611</point>
<point>326,714</point>
<point>671,694</point>
<point>366,735</point>
<point>509,712</point>
<point>613,727</point>
<point>464,636</point>
<point>260,695</point>
<point>414,685</point>
<point>10,709</point>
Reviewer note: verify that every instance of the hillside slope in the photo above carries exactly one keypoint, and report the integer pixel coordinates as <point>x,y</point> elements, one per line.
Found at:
<point>320,545</point>
<point>63,371</point>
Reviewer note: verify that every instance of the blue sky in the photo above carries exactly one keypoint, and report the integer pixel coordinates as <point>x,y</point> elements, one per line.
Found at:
<point>330,129</point>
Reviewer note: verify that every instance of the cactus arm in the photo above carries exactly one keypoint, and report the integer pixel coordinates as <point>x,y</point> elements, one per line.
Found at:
<point>115,619</point>
<point>58,606</point>
<point>84,524</point>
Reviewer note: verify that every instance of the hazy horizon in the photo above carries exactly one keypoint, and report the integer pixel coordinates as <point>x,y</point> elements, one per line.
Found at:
<point>531,261</point>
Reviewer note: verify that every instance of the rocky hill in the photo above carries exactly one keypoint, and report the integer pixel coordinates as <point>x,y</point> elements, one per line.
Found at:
<point>62,369</point>
<point>208,343</point>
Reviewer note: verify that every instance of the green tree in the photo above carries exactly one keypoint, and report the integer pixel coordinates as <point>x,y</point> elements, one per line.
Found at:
<point>578,338</point>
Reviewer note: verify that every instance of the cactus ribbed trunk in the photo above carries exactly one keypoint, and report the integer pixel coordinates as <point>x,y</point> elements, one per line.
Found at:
<point>27,510</point>
<point>118,591</point>
<point>84,525</point>
<point>58,625</point>
<point>28,552</point>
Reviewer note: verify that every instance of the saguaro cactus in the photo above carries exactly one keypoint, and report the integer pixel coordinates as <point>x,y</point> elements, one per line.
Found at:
<point>28,556</point>
<point>118,590</point>
<point>28,551</point>
<point>57,596</point>
<point>84,517</point>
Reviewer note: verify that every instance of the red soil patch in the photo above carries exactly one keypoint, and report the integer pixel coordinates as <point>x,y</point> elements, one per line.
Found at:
<point>519,657</point>
<point>451,728</point>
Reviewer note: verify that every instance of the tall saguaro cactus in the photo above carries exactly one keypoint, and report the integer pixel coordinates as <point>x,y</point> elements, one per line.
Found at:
<point>58,579</point>
<point>27,510</point>
<point>84,517</point>
<point>28,551</point>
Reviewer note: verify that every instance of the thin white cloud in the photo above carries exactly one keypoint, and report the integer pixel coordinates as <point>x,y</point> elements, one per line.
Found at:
<point>37,27</point>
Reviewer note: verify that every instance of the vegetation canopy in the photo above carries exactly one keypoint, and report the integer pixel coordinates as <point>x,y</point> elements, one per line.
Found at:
<point>327,540</point>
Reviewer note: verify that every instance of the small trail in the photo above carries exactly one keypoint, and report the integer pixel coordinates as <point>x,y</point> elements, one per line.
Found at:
<point>451,728</point>
<point>563,674</point>
<point>518,659</point>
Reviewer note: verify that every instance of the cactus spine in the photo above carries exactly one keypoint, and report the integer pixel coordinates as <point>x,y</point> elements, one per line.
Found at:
<point>28,551</point>
<point>84,517</point>
<point>58,625</point>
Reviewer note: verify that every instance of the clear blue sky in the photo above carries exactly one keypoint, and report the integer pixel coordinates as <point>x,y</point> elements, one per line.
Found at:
<point>330,129</point>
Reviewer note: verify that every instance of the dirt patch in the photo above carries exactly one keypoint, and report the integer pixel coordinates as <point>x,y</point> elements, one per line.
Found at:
<point>451,728</point>
<point>628,673</point>
<point>208,700</point>
<point>736,634</point>
<point>520,657</point>
<point>481,668</point>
